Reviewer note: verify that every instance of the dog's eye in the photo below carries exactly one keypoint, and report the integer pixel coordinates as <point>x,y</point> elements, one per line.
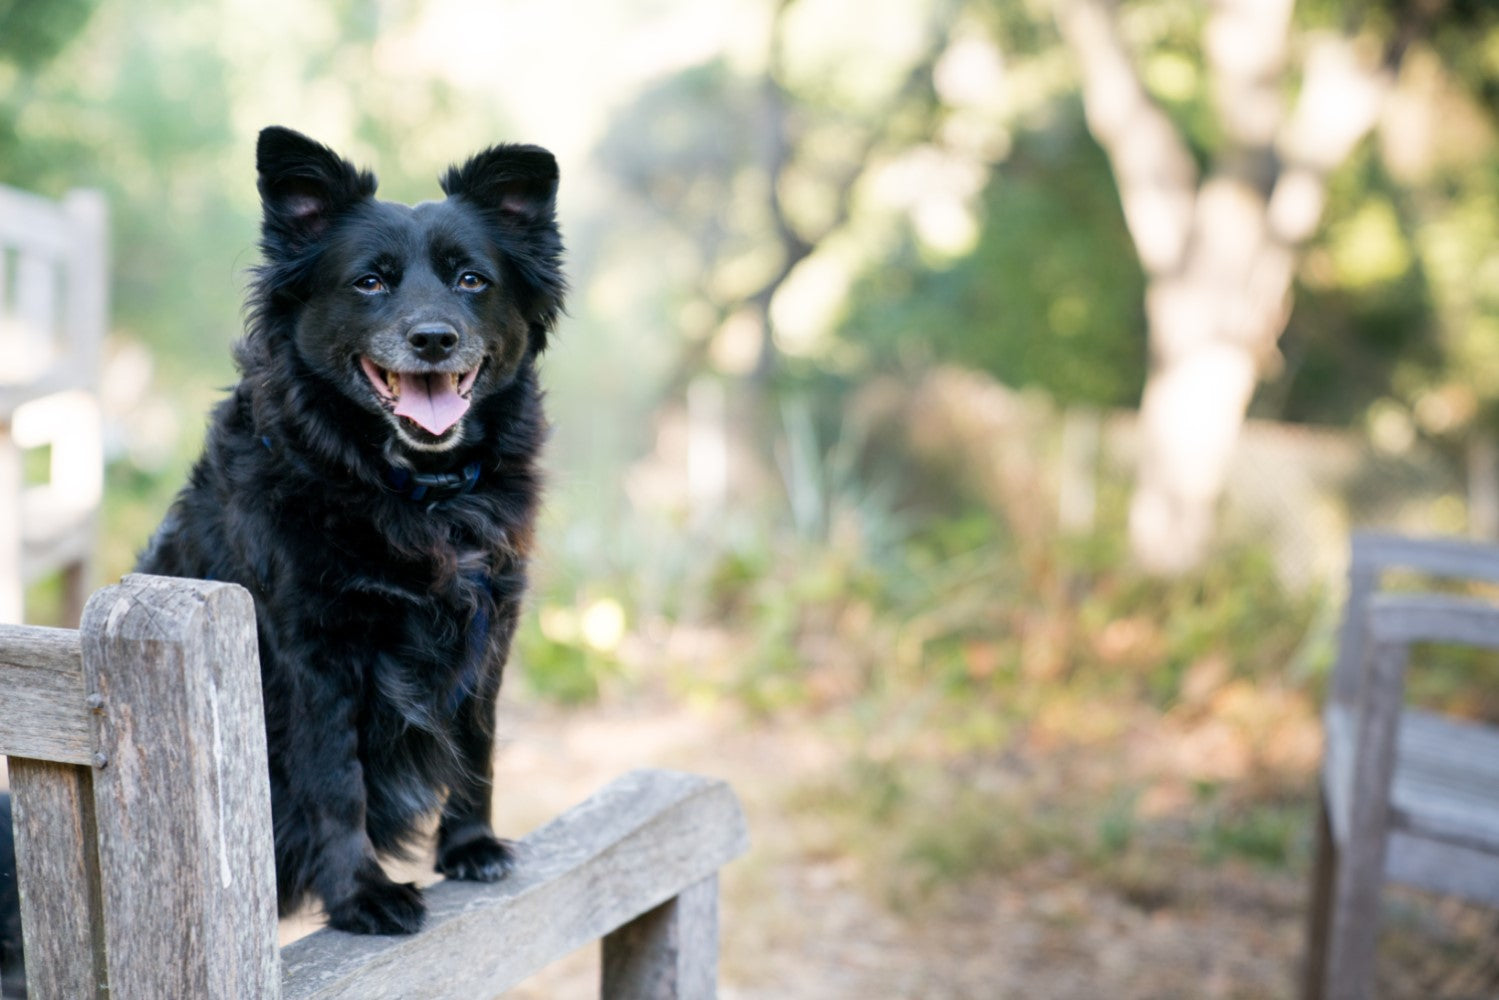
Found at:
<point>471,281</point>
<point>370,284</point>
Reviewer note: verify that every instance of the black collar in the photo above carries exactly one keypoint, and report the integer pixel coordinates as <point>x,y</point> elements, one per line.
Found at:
<point>431,486</point>
<point>423,486</point>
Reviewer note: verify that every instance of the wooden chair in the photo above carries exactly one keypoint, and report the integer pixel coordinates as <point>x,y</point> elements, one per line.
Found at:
<point>1408,796</point>
<point>143,837</point>
<point>54,283</point>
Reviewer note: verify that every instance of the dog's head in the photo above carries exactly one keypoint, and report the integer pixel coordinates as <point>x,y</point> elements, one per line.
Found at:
<point>412,312</point>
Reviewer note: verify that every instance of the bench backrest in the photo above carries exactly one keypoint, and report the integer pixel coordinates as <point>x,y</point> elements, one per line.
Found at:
<point>143,835</point>
<point>141,797</point>
<point>54,284</point>
<point>1372,555</point>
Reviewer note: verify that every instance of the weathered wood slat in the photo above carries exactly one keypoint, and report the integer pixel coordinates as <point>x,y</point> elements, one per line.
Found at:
<point>12,482</point>
<point>669,953</point>
<point>1446,557</point>
<point>1412,618</point>
<point>640,841</point>
<point>1319,909</point>
<point>190,898</point>
<point>1337,767</point>
<point>86,307</point>
<point>32,221</point>
<point>1446,781</point>
<point>1360,866</point>
<point>12,396</point>
<point>43,714</point>
<point>38,296</point>
<point>1441,866</point>
<point>1347,672</point>
<point>61,910</point>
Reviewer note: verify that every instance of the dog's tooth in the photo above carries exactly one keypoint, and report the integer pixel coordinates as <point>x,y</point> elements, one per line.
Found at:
<point>393,382</point>
<point>456,377</point>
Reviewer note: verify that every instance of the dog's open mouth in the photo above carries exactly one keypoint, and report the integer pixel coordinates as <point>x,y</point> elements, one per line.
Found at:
<point>433,401</point>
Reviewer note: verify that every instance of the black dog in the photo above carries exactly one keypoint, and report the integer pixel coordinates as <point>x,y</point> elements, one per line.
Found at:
<point>12,967</point>
<point>373,481</point>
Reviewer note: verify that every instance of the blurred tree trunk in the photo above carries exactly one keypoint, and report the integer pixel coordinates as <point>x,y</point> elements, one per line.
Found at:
<point>1219,252</point>
<point>751,398</point>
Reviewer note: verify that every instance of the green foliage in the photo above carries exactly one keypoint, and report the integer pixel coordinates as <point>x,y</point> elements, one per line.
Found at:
<point>557,670</point>
<point>1236,607</point>
<point>1051,297</point>
<point>32,32</point>
<point>941,659</point>
<point>1272,832</point>
<point>918,826</point>
<point>681,143</point>
<point>1363,306</point>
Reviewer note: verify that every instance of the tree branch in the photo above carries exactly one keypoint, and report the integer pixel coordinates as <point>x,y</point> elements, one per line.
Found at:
<point>1340,102</point>
<point>796,247</point>
<point>1153,167</point>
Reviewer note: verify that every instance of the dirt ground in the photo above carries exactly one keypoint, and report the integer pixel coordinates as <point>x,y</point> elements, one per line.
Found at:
<point>798,920</point>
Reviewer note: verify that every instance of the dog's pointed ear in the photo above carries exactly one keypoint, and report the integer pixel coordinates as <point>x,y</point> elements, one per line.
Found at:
<point>517,184</point>
<point>516,189</point>
<point>304,186</point>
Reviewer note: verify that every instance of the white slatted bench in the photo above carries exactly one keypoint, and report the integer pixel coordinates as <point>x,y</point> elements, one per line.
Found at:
<point>54,284</point>
<point>142,815</point>
<point>1407,796</point>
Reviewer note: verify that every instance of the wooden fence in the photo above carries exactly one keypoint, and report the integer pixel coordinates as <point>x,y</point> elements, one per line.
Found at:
<point>143,836</point>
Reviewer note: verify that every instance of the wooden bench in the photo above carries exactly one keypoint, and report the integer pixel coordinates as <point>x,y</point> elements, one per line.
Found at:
<point>1407,796</point>
<point>54,283</point>
<point>143,836</point>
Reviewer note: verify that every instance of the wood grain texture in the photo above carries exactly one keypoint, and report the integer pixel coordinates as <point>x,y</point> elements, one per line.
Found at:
<point>183,802</point>
<point>638,842</point>
<point>668,953</point>
<point>43,714</point>
<point>61,909</point>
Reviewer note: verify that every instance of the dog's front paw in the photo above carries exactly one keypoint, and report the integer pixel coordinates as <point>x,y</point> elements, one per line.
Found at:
<point>380,907</point>
<point>483,859</point>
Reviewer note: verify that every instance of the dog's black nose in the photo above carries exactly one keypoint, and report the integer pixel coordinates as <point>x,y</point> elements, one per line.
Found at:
<point>432,341</point>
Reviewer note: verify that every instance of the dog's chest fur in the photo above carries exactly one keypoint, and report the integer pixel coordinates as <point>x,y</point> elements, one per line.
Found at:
<point>407,604</point>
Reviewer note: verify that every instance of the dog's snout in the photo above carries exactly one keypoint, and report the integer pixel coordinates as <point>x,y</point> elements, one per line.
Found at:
<point>433,341</point>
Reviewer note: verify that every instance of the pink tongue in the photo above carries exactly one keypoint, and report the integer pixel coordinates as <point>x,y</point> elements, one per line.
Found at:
<point>431,401</point>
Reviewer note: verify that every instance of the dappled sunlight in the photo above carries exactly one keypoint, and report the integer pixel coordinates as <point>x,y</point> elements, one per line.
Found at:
<point>957,425</point>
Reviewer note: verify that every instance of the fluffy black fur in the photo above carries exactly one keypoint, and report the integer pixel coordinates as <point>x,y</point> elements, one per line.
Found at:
<point>385,611</point>
<point>12,966</point>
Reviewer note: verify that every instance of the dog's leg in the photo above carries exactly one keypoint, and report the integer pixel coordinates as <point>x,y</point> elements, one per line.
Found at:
<point>466,845</point>
<point>322,844</point>
<point>12,961</point>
